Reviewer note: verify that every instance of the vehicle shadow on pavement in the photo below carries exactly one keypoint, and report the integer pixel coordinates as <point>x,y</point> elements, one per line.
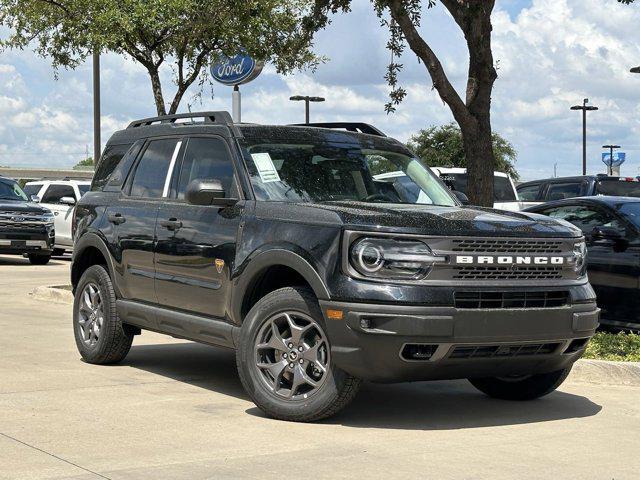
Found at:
<point>200,365</point>
<point>441,405</point>
<point>20,261</point>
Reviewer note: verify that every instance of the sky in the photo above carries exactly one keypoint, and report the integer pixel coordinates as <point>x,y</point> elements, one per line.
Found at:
<point>550,55</point>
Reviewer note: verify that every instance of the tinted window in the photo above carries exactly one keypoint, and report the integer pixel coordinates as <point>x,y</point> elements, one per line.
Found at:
<point>618,188</point>
<point>32,189</point>
<point>205,158</point>
<point>108,162</point>
<point>83,189</point>
<point>631,211</point>
<point>559,191</point>
<point>502,188</point>
<point>54,193</point>
<point>585,218</point>
<point>151,172</point>
<point>529,193</point>
<point>119,176</point>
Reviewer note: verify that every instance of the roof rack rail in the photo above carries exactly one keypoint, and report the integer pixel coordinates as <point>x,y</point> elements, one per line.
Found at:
<point>357,127</point>
<point>209,117</point>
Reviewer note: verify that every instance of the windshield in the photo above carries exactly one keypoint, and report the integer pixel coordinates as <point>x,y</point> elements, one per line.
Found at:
<point>315,165</point>
<point>618,188</point>
<point>502,188</point>
<point>631,211</point>
<point>10,190</point>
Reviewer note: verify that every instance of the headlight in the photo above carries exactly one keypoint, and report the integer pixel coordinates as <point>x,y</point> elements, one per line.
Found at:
<point>388,258</point>
<point>580,257</point>
<point>48,218</point>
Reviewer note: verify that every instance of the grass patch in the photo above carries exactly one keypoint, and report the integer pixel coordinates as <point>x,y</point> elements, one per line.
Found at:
<point>620,347</point>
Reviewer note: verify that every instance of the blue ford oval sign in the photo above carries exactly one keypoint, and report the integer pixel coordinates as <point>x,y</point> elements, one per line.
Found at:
<point>235,70</point>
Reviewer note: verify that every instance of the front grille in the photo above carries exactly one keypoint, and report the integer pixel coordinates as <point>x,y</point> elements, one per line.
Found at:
<point>502,351</point>
<point>540,247</point>
<point>525,299</point>
<point>507,272</point>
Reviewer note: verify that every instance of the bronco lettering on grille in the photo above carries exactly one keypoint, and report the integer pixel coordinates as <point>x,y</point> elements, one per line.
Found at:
<point>508,260</point>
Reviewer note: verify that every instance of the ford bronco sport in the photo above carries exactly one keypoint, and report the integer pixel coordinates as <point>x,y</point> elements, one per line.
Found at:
<point>291,245</point>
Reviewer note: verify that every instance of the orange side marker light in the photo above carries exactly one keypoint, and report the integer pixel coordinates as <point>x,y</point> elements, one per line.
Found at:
<point>334,314</point>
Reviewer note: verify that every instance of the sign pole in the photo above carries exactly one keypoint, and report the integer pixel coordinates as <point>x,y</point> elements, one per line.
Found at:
<point>236,100</point>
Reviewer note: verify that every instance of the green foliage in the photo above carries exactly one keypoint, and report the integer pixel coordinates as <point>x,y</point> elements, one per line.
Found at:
<point>186,34</point>
<point>85,164</point>
<point>441,146</point>
<point>622,347</point>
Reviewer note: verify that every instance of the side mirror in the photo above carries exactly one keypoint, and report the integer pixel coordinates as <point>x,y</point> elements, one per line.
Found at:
<point>208,192</point>
<point>68,201</point>
<point>35,198</point>
<point>606,233</point>
<point>461,196</point>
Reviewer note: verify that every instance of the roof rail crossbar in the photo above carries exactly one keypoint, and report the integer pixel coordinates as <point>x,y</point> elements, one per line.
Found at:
<point>209,117</point>
<point>348,126</point>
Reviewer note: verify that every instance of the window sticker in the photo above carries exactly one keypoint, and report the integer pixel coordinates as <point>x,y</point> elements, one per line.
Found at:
<point>266,169</point>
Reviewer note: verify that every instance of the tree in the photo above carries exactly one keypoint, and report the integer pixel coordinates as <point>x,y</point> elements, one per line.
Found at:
<point>183,34</point>
<point>84,164</point>
<point>443,147</point>
<point>473,113</point>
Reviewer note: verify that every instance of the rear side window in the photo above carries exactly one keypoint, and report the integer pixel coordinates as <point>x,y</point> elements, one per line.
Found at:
<point>502,188</point>
<point>151,173</point>
<point>559,191</point>
<point>108,162</point>
<point>54,193</point>
<point>618,188</point>
<point>206,158</point>
<point>529,193</point>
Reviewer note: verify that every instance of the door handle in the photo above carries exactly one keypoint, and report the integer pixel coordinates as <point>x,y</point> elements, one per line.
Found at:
<point>116,218</point>
<point>171,224</point>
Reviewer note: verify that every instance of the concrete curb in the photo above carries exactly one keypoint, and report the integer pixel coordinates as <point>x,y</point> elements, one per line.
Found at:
<point>55,294</point>
<point>602,372</point>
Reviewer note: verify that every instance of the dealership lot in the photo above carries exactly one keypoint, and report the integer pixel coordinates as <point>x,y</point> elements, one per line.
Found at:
<point>175,409</point>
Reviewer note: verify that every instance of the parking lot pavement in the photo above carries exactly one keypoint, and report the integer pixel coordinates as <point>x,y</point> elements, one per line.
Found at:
<point>177,410</point>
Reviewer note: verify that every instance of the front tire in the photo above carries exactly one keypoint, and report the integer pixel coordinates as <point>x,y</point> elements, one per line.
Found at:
<point>39,259</point>
<point>521,388</point>
<point>284,359</point>
<point>98,330</point>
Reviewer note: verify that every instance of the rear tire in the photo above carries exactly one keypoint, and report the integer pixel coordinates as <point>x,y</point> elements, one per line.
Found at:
<point>524,388</point>
<point>39,259</point>
<point>98,330</point>
<point>284,362</point>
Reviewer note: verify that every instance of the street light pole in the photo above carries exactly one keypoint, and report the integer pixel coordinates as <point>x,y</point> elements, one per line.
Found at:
<point>584,107</point>
<point>610,147</point>
<point>307,99</point>
<point>96,108</point>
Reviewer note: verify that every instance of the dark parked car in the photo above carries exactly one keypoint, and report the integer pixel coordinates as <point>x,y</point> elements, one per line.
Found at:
<point>540,191</point>
<point>25,227</point>
<point>280,242</point>
<point>611,226</point>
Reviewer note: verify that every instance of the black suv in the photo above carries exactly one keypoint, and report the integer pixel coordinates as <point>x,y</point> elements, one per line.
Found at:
<point>324,255</point>
<point>560,188</point>
<point>25,227</point>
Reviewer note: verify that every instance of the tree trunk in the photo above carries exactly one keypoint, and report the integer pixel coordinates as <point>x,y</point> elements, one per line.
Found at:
<point>478,150</point>
<point>156,86</point>
<point>173,108</point>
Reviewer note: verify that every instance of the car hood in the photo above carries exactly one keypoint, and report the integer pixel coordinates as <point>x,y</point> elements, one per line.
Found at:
<point>437,220</point>
<point>21,206</point>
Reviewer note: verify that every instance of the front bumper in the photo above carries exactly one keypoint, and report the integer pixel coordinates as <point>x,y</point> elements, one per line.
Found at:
<point>22,242</point>
<point>370,341</point>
